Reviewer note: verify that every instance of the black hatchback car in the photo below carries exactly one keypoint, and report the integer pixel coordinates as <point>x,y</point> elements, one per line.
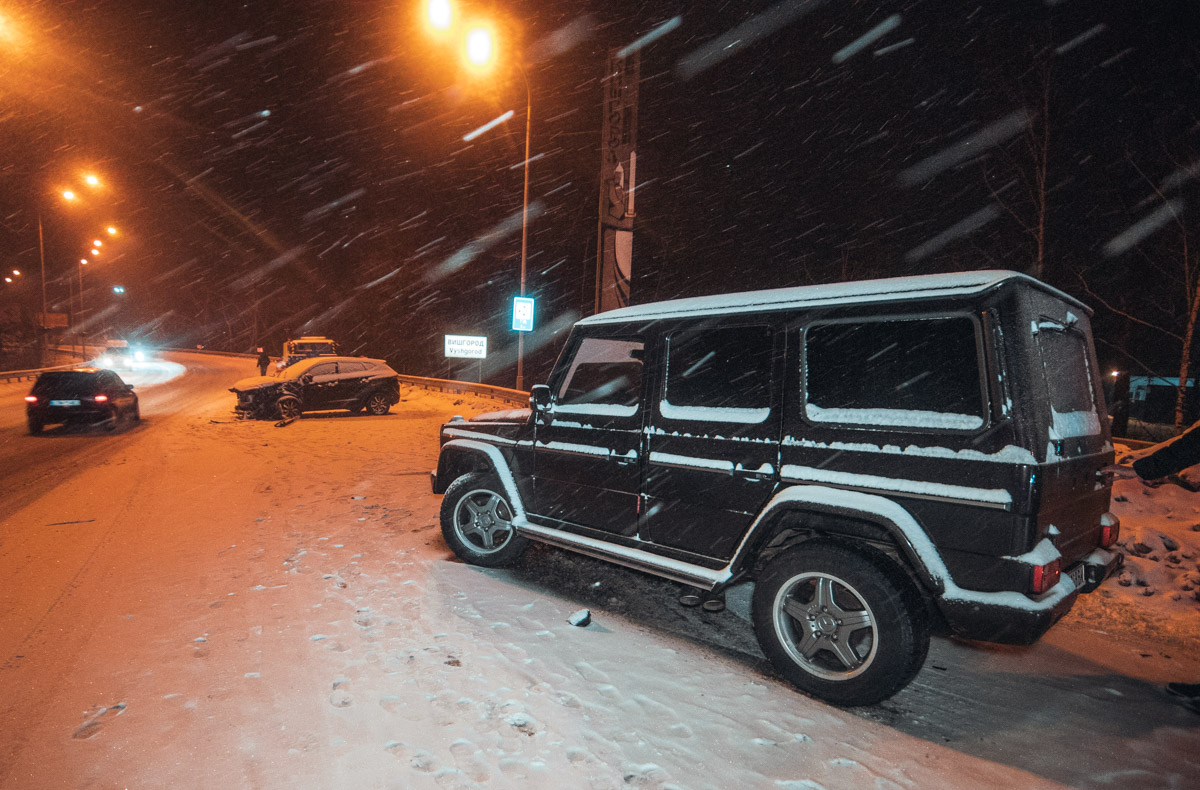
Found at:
<point>879,458</point>
<point>321,383</point>
<point>82,395</point>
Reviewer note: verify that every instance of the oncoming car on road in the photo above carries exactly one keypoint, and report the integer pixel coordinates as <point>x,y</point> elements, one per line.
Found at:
<point>319,384</point>
<point>82,395</point>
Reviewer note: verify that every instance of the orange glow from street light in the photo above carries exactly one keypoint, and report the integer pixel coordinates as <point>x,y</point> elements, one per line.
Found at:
<point>68,195</point>
<point>112,231</point>
<point>91,180</point>
<point>83,261</point>
<point>95,251</point>
<point>97,243</point>
<point>480,47</point>
<point>439,14</point>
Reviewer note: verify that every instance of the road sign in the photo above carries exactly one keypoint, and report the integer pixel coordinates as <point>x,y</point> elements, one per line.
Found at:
<point>53,320</point>
<point>466,346</point>
<point>522,314</point>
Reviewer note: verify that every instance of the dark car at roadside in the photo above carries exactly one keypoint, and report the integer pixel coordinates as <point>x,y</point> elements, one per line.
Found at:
<point>80,396</point>
<point>321,383</point>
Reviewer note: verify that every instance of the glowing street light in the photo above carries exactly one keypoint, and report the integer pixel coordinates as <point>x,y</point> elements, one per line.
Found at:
<point>479,47</point>
<point>97,243</point>
<point>112,231</point>
<point>92,180</point>
<point>439,14</point>
<point>68,194</point>
<point>16,272</point>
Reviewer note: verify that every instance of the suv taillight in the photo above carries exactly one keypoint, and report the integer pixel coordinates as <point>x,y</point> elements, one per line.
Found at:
<point>1046,576</point>
<point>101,398</point>
<point>1110,530</point>
<point>31,398</point>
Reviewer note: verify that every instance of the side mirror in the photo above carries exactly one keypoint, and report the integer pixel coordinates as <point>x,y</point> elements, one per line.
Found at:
<point>306,378</point>
<point>541,401</point>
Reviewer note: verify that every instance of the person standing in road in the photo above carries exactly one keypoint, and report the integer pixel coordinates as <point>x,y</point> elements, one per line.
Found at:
<point>264,360</point>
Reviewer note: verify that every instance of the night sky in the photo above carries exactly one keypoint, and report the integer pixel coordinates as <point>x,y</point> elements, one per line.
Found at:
<point>297,166</point>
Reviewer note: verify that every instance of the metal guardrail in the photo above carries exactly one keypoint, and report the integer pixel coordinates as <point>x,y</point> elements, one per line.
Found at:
<point>22,375</point>
<point>516,397</point>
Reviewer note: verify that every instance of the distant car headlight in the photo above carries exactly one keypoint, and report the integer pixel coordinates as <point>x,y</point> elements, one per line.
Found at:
<point>105,361</point>
<point>139,355</point>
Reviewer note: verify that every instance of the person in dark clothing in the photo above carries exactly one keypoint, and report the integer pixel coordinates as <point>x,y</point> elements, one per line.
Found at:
<point>264,360</point>
<point>1170,457</point>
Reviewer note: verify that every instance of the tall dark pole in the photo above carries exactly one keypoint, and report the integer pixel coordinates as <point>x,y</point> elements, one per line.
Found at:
<point>524,225</point>
<point>42,317</point>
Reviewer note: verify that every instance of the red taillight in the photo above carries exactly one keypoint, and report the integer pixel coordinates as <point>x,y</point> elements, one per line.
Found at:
<point>1110,530</point>
<point>31,398</point>
<point>1046,576</point>
<point>101,398</point>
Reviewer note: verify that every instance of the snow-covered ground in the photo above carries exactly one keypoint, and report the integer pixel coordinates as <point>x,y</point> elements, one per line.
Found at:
<point>222,603</point>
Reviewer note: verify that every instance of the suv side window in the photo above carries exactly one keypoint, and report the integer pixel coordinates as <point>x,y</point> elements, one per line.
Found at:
<point>605,377</point>
<point>351,367</point>
<point>720,375</point>
<point>921,373</point>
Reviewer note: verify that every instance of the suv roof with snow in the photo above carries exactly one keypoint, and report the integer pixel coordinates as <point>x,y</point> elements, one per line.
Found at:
<point>881,459</point>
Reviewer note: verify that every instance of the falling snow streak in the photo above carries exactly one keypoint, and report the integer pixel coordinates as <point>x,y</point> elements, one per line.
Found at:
<point>988,137</point>
<point>1144,227</point>
<point>654,35</point>
<point>749,32</point>
<point>867,39</point>
<point>1081,38</point>
<point>957,230</point>
<point>487,127</point>
<point>509,226</point>
<point>893,47</point>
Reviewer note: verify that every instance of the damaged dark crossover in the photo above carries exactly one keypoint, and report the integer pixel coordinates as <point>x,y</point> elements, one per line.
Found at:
<point>881,459</point>
<point>319,384</point>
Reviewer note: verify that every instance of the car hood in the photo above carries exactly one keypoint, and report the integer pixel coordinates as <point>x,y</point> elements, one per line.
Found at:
<point>508,415</point>
<point>253,383</point>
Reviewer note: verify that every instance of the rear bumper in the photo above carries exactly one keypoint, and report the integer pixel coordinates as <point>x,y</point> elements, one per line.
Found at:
<point>54,415</point>
<point>1015,619</point>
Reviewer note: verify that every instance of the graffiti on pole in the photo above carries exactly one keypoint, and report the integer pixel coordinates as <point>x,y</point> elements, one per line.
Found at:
<point>618,172</point>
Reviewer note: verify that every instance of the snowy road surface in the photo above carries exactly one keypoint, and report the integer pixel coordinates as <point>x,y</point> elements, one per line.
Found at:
<point>199,602</point>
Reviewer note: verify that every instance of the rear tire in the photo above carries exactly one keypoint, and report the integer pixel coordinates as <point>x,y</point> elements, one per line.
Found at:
<point>378,404</point>
<point>477,522</point>
<point>843,624</point>
<point>35,425</point>
<point>137,412</point>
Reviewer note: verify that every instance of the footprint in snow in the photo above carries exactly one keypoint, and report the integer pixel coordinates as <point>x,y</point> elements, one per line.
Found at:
<point>94,720</point>
<point>470,760</point>
<point>418,758</point>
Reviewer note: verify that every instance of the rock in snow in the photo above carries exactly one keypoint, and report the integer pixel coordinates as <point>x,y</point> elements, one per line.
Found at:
<point>581,618</point>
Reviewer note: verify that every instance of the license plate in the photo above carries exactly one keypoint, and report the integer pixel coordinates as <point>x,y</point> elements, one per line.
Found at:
<point>64,403</point>
<point>1077,575</point>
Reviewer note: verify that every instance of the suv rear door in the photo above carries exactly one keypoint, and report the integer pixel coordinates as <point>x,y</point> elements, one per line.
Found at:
<point>713,437</point>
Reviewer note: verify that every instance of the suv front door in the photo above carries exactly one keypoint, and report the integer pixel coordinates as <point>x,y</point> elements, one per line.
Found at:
<point>587,454</point>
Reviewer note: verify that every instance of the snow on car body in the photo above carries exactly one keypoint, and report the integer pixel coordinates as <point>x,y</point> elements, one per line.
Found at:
<point>881,458</point>
<point>318,384</point>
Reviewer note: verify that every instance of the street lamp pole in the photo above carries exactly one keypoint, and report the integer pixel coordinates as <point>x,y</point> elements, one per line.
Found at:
<point>42,318</point>
<point>524,224</point>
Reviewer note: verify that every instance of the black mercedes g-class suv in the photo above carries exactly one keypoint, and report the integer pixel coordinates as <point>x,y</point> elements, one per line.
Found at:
<point>880,458</point>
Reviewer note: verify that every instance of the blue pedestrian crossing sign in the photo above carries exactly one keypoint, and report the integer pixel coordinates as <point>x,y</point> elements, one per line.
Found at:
<point>522,314</point>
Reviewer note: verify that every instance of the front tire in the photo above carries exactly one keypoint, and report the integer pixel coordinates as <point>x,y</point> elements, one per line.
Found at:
<point>378,404</point>
<point>845,625</point>
<point>289,408</point>
<point>477,522</point>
